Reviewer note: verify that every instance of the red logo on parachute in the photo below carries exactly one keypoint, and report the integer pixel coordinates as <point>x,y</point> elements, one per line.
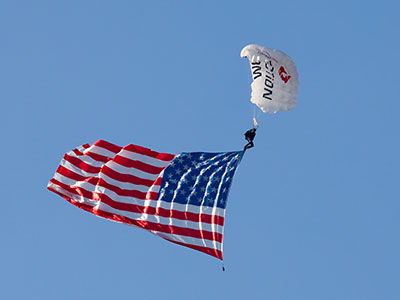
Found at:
<point>284,75</point>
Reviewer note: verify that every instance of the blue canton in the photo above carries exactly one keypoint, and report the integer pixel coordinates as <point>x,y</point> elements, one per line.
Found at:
<point>199,178</point>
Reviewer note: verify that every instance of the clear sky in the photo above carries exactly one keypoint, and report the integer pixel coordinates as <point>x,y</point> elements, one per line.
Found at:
<point>313,212</point>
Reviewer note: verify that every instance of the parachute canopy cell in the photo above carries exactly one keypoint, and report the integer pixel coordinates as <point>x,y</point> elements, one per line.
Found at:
<point>275,79</point>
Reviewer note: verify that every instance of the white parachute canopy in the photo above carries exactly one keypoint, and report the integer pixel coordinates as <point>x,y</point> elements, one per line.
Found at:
<point>275,79</point>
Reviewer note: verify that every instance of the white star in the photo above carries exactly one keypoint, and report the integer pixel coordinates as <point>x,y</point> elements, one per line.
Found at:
<point>202,157</point>
<point>189,156</point>
<point>228,179</point>
<point>186,167</point>
<point>217,178</point>
<point>213,190</point>
<point>225,158</point>
<point>183,192</point>
<point>178,171</point>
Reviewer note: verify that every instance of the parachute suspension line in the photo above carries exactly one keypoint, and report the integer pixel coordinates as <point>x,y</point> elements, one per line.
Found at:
<point>255,123</point>
<point>256,115</point>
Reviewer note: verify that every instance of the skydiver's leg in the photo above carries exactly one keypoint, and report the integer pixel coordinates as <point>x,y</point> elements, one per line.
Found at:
<point>248,146</point>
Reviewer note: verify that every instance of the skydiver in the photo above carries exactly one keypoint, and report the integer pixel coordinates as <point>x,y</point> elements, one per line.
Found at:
<point>249,136</point>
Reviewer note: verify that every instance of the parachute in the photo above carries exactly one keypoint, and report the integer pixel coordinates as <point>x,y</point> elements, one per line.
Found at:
<point>275,79</point>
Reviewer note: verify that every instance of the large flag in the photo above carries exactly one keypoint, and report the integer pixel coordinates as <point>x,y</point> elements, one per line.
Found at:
<point>181,198</point>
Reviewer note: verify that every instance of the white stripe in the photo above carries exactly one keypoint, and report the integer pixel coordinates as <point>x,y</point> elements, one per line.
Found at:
<point>130,171</point>
<point>178,238</point>
<point>100,150</point>
<point>152,203</point>
<point>127,154</point>
<point>87,159</point>
<point>73,196</point>
<point>143,158</point>
<point>112,165</point>
<point>140,217</point>
<point>75,169</point>
<point>130,186</point>
<point>81,149</point>
<point>125,185</point>
<point>189,240</point>
<point>100,189</point>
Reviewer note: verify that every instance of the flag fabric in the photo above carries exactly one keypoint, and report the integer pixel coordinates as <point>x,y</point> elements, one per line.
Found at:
<point>181,198</point>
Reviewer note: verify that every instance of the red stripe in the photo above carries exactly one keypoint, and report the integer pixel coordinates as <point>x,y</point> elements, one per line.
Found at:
<point>77,152</point>
<point>128,193</point>
<point>149,152</point>
<point>101,182</point>
<point>134,148</point>
<point>128,177</point>
<point>128,207</point>
<point>210,251</point>
<point>111,173</point>
<point>213,252</point>
<point>108,146</point>
<point>202,234</point>
<point>205,218</point>
<point>190,216</point>
<point>72,175</point>
<point>95,156</point>
<point>81,164</point>
<point>98,157</point>
<point>167,213</point>
<point>129,163</point>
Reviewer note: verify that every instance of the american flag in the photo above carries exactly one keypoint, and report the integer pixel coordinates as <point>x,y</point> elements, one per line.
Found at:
<point>181,198</point>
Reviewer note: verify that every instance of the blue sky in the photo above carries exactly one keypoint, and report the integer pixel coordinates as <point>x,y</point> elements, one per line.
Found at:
<point>313,212</point>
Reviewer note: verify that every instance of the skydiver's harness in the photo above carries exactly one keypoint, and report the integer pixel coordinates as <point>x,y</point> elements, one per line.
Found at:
<point>249,136</point>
